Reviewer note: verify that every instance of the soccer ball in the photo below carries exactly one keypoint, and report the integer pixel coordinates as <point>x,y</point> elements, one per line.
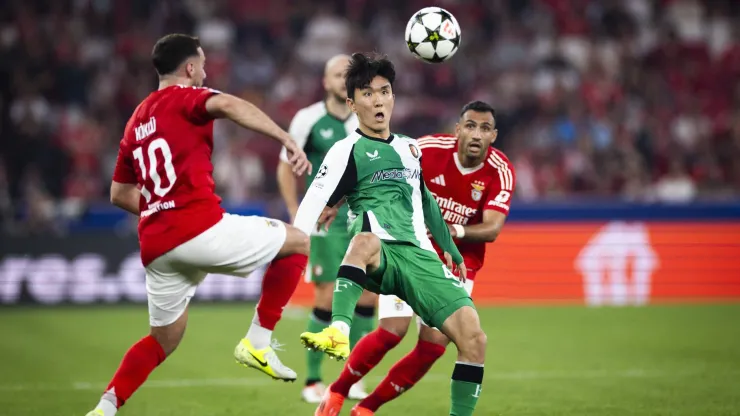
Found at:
<point>433,34</point>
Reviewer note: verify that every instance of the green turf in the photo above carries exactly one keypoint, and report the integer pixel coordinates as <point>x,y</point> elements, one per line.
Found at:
<point>661,360</point>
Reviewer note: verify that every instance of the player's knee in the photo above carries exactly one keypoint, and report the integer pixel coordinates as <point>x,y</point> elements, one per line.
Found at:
<point>480,340</point>
<point>365,245</point>
<point>296,242</point>
<point>396,326</point>
<point>303,243</point>
<point>170,335</point>
<point>473,345</point>
<point>168,338</point>
<point>432,335</point>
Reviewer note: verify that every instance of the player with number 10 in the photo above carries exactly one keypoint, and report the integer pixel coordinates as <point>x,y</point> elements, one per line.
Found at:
<point>164,175</point>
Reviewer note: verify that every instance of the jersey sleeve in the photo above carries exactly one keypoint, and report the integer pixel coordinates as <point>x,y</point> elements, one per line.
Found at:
<point>335,178</point>
<point>194,103</point>
<point>501,201</point>
<point>299,130</point>
<point>435,147</point>
<point>436,224</point>
<point>436,143</point>
<point>124,171</point>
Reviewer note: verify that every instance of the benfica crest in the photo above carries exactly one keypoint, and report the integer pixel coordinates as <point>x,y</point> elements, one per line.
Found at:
<point>477,192</point>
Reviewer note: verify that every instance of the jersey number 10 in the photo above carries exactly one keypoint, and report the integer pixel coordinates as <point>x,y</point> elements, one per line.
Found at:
<point>161,145</point>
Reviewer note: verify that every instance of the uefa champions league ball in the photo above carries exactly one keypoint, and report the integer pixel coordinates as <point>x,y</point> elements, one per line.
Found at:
<point>433,34</point>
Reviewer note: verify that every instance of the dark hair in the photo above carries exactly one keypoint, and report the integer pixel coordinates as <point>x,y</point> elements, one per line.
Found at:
<point>172,50</point>
<point>364,67</point>
<point>478,107</point>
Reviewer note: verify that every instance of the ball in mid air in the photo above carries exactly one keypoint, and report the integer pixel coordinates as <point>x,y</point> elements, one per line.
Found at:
<point>433,34</point>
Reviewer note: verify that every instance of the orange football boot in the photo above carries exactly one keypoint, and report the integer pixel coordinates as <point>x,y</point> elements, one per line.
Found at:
<point>331,404</point>
<point>361,411</point>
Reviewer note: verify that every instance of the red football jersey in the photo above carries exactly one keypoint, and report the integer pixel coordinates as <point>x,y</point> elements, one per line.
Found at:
<point>166,150</point>
<point>464,193</point>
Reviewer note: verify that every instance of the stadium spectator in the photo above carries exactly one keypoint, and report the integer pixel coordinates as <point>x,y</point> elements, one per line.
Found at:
<point>633,99</point>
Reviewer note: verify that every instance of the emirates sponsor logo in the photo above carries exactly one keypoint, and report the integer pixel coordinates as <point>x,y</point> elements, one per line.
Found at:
<point>454,212</point>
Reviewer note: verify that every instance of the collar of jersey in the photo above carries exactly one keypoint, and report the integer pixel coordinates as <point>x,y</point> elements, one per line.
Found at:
<point>463,169</point>
<point>388,140</point>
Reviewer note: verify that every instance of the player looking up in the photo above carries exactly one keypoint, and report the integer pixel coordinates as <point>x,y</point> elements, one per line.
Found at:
<point>315,129</point>
<point>379,174</point>
<point>473,184</point>
<point>163,175</point>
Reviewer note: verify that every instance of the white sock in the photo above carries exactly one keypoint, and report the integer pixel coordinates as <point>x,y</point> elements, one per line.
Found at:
<point>108,408</point>
<point>259,337</point>
<point>341,326</point>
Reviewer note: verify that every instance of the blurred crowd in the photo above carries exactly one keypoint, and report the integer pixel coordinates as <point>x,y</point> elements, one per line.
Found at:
<point>629,99</point>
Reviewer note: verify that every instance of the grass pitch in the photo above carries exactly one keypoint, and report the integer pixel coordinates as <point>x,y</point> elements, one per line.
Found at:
<point>658,360</point>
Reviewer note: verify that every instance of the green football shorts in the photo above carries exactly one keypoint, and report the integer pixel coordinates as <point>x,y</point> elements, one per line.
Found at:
<point>418,277</point>
<point>327,253</point>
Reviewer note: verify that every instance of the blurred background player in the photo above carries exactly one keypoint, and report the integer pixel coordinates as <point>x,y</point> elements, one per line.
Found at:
<point>380,175</point>
<point>315,129</point>
<point>473,184</point>
<point>163,175</point>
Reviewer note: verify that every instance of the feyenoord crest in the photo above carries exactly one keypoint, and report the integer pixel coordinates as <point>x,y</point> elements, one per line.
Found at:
<point>415,152</point>
<point>477,192</point>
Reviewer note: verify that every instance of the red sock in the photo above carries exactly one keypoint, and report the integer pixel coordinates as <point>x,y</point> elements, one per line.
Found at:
<point>404,374</point>
<point>278,285</point>
<point>140,360</point>
<point>367,354</point>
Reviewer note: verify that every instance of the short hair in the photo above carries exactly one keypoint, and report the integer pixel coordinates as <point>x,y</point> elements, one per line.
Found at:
<point>172,50</point>
<point>478,107</point>
<point>364,67</point>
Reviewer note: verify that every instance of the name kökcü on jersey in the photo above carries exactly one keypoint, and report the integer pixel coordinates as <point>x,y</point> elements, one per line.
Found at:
<point>145,130</point>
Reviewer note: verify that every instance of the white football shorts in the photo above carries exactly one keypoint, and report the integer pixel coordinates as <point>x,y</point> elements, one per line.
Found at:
<point>391,306</point>
<point>235,246</point>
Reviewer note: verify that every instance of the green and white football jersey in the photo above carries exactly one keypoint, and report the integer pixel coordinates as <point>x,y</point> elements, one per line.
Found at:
<point>383,185</point>
<point>316,131</point>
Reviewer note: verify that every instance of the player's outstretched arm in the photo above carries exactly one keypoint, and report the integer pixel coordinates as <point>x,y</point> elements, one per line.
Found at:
<point>437,226</point>
<point>125,196</point>
<point>250,117</point>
